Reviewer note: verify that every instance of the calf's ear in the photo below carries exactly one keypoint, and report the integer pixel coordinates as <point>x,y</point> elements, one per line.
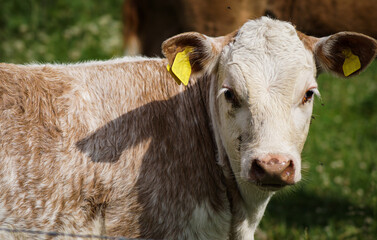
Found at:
<point>345,53</point>
<point>202,52</point>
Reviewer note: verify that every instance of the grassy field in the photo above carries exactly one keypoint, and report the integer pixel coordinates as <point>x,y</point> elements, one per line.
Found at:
<point>59,30</point>
<point>337,198</point>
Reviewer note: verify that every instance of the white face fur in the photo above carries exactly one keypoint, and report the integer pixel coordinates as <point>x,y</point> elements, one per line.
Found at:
<point>265,90</point>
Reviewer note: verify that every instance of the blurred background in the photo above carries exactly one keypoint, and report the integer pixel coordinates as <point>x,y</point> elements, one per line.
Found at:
<point>338,197</point>
<point>60,30</point>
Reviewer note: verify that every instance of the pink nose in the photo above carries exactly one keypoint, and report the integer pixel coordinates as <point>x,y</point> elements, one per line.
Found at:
<point>272,171</point>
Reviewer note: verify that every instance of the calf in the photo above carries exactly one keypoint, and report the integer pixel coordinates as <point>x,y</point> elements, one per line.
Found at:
<point>118,148</point>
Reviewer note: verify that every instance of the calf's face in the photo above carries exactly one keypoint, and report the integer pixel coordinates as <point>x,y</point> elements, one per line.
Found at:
<point>264,100</point>
<point>262,92</point>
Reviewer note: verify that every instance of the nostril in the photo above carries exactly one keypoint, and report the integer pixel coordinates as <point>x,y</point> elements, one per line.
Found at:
<point>288,173</point>
<point>290,166</point>
<point>257,172</point>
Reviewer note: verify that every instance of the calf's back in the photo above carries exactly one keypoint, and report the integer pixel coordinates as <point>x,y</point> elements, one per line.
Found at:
<point>92,148</point>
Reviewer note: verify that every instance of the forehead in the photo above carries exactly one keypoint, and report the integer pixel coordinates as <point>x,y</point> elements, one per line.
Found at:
<point>269,53</point>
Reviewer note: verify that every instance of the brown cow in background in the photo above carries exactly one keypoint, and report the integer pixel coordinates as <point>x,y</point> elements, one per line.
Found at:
<point>324,17</point>
<point>148,22</point>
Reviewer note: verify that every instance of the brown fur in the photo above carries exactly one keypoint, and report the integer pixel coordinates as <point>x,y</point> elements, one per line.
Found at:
<point>79,160</point>
<point>308,41</point>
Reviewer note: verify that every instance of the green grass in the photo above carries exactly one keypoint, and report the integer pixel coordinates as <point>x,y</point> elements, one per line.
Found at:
<point>337,198</point>
<point>59,30</point>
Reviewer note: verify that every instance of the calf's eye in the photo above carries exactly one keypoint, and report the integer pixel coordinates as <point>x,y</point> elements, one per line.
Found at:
<point>229,95</point>
<point>308,96</point>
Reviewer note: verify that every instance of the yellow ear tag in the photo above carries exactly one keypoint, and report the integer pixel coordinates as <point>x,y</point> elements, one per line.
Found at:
<point>173,75</point>
<point>181,68</point>
<point>351,63</point>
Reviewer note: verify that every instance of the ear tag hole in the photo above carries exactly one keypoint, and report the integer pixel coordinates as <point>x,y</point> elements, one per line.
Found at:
<point>351,62</point>
<point>181,68</point>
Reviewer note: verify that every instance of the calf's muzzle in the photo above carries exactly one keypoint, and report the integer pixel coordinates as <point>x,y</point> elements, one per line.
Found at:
<point>272,171</point>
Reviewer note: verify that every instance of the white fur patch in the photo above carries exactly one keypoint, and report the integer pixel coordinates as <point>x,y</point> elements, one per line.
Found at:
<point>207,224</point>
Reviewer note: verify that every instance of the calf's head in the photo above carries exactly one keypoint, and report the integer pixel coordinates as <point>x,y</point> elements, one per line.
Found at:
<point>263,83</point>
